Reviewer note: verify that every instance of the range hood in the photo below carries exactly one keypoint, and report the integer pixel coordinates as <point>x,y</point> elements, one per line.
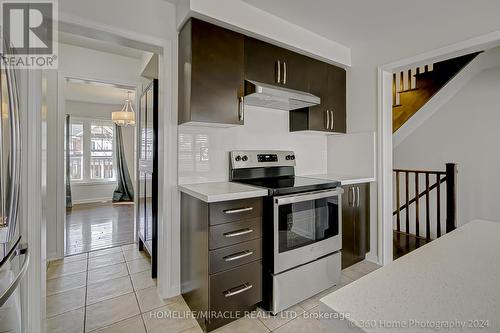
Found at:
<point>275,97</point>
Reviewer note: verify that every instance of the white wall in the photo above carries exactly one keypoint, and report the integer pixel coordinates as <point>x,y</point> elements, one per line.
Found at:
<point>86,193</point>
<point>464,131</point>
<point>352,154</point>
<point>204,151</point>
<point>74,60</point>
<point>155,18</point>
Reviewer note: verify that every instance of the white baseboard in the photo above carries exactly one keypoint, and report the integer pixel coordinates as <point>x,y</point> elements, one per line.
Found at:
<point>93,200</point>
<point>372,257</point>
<point>52,256</point>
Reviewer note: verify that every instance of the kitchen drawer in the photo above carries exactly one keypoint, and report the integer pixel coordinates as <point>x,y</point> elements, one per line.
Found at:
<point>235,232</point>
<point>236,291</point>
<point>235,255</point>
<point>234,210</point>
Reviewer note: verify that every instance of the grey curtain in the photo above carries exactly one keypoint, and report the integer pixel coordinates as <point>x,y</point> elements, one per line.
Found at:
<point>124,190</point>
<point>69,200</point>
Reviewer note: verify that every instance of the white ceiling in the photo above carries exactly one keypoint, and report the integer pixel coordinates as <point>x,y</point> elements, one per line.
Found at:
<point>98,45</point>
<point>94,92</point>
<point>359,22</point>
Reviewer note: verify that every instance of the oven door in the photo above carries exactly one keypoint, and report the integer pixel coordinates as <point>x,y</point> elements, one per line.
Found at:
<point>307,226</point>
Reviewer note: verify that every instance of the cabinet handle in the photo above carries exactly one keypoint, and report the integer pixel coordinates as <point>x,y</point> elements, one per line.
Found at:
<point>279,72</point>
<point>238,232</point>
<point>241,109</point>
<point>238,290</point>
<point>357,196</point>
<point>327,119</point>
<point>350,195</point>
<point>284,72</point>
<point>239,255</point>
<point>333,119</point>
<point>239,210</point>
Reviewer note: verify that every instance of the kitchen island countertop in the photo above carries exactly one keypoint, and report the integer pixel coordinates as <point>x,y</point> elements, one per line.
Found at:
<point>452,280</point>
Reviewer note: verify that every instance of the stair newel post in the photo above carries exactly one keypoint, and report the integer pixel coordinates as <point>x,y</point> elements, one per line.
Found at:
<point>451,196</point>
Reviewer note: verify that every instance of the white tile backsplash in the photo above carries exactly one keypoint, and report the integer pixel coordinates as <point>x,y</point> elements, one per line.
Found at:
<point>352,154</point>
<point>204,151</point>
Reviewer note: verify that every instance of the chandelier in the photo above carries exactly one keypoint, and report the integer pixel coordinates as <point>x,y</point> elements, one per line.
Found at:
<point>126,116</point>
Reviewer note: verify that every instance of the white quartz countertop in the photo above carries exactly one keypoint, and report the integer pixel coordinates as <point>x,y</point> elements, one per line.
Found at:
<point>344,179</point>
<point>222,191</point>
<point>453,280</point>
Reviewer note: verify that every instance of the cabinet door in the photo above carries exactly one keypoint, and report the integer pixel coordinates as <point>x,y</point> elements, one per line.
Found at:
<point>362,217</point>
<point>213,75</point>
<point>336,98</point>
<point>274,65</point>
<point>329,83</point>
<point>348,228</point>
<point>295,70</point>
<point>318,85</point>
<point>261,61</point>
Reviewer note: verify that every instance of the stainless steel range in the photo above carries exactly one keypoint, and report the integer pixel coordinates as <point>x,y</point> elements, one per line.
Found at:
<point>302,226</point>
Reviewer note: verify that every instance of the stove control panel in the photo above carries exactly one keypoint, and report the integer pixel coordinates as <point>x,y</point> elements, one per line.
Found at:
<point>242,159</point>
<point>267,157</point>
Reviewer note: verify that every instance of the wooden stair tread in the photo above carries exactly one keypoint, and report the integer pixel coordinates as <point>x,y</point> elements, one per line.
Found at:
<point>404,243</point>
<point>407,90</point>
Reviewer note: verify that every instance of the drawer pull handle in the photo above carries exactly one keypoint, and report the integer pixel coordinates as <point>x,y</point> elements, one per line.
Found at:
<point>239,210</point>
<point>239,255</point>
<point>238,290</point>
<point>238,232</point>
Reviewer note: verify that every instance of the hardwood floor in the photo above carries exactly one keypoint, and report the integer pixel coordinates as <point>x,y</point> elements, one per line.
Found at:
<point>97,226</point>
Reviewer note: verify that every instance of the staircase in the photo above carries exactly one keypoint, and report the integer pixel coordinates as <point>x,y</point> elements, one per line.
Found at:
<point>418,221</point>
<point>412,88</point>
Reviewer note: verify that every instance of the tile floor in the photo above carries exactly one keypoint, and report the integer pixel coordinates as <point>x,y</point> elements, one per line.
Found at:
<point>111,291</point>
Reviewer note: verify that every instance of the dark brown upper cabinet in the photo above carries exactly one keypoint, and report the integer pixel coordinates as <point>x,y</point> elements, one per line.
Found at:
<point>336,98</point>
<point>329,83</point>
<point>271,64</point>
<point>215,62</point>
<point>211,74</point>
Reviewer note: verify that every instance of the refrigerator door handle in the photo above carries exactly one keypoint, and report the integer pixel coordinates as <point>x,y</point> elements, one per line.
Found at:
<point>18,249</point>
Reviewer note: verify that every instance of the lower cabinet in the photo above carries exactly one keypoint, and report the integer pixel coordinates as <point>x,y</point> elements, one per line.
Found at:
<point>355,223</point>
<point>221,258</point>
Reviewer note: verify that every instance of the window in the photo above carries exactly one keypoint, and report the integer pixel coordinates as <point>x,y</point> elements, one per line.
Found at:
<point>92,150</point>
<point>76,151</point>
<point>101,152</point>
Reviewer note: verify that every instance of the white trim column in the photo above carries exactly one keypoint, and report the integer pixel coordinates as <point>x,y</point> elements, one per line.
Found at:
<point>32,193</point>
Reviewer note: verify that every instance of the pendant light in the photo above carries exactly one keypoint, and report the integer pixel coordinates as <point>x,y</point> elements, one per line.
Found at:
<point>126,116</point>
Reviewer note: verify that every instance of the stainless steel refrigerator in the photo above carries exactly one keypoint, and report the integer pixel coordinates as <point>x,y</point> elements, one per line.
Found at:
<point>14,255</point>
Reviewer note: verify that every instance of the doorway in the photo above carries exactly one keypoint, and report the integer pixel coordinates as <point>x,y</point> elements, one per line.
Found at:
<point>100,166</point>
<point>385,173</point>
<point>104,262</point>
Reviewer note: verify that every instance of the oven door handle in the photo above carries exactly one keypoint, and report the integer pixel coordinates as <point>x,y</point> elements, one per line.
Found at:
<point>308,196</point>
